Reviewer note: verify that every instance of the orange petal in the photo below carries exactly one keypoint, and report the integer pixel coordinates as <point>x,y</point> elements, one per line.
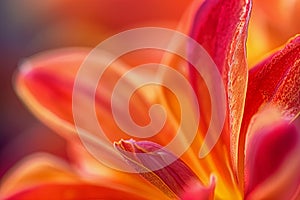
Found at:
<point>46,84</point>
<point>230,41</point>
<point>43,174</point>
<point>272,162</point>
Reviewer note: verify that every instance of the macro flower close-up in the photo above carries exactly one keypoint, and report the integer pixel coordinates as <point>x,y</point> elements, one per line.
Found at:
<point>195,101</point>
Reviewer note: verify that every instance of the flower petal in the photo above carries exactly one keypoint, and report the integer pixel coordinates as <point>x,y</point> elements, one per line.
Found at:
<point>276,81</point>
<point>157,165</point>
<point>46,84</point>
<point>43,174</point>
<point>225,42</point>
<point>72,191</point>
<point>198,192</point>
<point>272,162</point>
<point>221,28</point>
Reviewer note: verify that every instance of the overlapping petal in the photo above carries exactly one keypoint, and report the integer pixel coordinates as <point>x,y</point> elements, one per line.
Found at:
<point>256,151</point>
<point>159,166</point>
<point>274,81</point>
<point>46,82</point>
<point>221,28</point>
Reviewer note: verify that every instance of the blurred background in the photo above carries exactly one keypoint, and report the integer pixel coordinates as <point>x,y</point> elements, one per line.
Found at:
<point>32,26</point>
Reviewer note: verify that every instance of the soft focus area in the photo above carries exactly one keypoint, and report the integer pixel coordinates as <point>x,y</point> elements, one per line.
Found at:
<point>32,26</point>
<point>30,29</point>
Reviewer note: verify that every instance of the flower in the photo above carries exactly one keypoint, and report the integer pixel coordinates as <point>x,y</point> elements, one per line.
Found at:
<point>256,156</point>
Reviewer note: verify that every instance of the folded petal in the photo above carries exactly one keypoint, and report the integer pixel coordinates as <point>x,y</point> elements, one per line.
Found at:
<point>42,176</point>
<point>157,165</point>
<point>272,160</point>
<point>221,28</point>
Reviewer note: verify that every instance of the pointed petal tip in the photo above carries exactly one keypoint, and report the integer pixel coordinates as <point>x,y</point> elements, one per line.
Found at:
<point>197,191</point>
<point>25,67</point>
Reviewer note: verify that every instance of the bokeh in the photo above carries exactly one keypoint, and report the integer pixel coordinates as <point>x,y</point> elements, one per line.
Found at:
<point>32,26</point>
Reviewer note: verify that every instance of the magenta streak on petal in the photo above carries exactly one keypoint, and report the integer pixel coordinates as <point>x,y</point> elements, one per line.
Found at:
<point>172,179</point>
<point>267,151</point>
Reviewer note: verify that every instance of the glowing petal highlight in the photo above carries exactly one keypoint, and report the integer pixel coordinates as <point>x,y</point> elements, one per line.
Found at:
<point>221,28</point>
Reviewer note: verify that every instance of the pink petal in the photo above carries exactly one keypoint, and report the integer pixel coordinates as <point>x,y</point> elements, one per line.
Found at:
<point>198,192</point>
<point>159,166</point>
<point>272,162</point>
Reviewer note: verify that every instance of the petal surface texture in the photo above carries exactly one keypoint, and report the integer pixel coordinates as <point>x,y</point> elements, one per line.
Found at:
<point>157,165</point>
<point>221,28</point>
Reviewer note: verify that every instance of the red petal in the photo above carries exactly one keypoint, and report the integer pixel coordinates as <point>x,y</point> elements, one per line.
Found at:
<point>272,162</point>
<point>276,80</point>
<point>157,165</point>
<point>72,191</point>
<point>221,28</point>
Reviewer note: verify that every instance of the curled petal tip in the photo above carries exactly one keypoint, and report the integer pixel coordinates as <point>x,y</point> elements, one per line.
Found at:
<point>124,145</point>
<point>159,166</point>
